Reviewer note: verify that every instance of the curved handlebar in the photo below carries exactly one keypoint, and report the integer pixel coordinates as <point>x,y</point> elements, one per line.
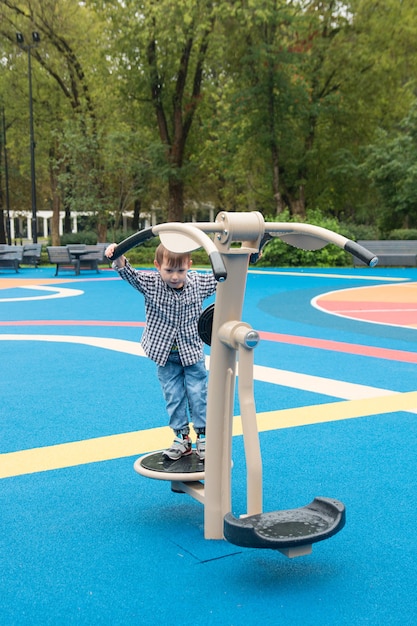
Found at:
<point>362,253</point>
<point>311,237</point>
<point>217,265</point>
<point>187,237</point>
<point>132,242</point>
<point>192,238</point>
<point>200,238</point>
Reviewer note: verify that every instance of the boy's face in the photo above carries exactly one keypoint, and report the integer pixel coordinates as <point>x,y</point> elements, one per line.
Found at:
<point>173,276</point>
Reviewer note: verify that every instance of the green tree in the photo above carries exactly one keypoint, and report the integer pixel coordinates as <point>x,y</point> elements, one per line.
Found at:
<point>243,104</point>
<point>376,57</point>
<point>278,86</point>
<point>307,86</point>
<point>391,165</point>
<point>160,50</point>
<point>66,98</point>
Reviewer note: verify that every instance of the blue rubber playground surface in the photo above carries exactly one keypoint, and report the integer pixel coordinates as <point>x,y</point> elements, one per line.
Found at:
<point>86,540</point>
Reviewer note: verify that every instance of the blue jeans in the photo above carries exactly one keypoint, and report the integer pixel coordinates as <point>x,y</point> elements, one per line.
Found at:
<point>185,391</point>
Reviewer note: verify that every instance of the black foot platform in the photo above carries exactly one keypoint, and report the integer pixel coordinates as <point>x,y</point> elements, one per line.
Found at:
<point>285,530</point>
<point>158,466</point>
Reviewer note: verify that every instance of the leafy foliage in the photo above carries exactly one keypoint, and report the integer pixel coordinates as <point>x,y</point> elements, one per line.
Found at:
<point>277,253</point>
<point>270,105</point>
<point>391,164</point>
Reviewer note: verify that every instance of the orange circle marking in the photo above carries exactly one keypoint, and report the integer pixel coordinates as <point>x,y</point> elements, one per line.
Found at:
<point>10,283</point>
<point>394,305</point>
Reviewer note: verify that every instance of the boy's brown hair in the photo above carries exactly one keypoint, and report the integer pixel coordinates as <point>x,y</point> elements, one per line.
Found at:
<point>172,259</point>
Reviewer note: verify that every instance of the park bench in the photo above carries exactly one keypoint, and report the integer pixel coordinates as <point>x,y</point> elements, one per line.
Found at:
<point>11,256</point>
<point>89,256</point>
<point>31,254</point>
<point>98,251</point>
<point>77,257</point>
<point>60,256</point>
<point>391,252</point>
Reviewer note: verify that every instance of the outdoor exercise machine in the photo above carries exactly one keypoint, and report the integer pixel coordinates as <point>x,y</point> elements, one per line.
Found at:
<point>293,531</point>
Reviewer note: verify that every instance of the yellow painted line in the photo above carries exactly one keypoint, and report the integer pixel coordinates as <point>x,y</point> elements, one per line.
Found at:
<point>335,411</point>
<point>81,452</point>
<point>140,442</point>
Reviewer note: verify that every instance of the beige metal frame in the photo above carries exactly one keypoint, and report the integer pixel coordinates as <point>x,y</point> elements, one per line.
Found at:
<point>232,339</point>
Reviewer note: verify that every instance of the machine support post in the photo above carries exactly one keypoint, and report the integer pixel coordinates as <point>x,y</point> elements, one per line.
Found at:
<point>221,385</point>
<point>250,431</point>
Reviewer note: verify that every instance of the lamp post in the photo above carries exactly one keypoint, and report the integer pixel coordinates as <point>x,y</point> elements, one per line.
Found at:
<point>28,47</point>
<point>6,175</point>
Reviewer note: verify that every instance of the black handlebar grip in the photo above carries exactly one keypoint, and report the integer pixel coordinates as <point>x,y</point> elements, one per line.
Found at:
<point>218,267</point>
<point>369,258</point>
<point>132,242</point>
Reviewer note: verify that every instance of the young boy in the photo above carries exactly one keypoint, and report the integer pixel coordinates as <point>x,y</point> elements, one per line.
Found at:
<point>173,304</point>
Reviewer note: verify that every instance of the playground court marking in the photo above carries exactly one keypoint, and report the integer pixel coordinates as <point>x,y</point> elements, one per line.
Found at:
<point>389,304</point>
<point>353,276</point>
<point>41,284</point>
<point>140,442</point>
<point>360,400</point>
<point>49,293</point>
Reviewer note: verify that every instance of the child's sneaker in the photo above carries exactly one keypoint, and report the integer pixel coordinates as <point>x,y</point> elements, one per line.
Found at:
<point>201,447</point>
<point>181,446</point>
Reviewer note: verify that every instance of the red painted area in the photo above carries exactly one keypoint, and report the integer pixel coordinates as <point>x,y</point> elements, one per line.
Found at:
<point>365,306</point>
<point>393,318</point>
<point>393,313</point>
<point>339,346</point>
<point>70,323</point>
<point>308,342</point>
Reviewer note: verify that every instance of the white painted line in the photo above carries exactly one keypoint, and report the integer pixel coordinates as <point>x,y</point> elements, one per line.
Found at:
<point>55,292</point>
<point>117,345</point>
<point>389,279</point>
<point>330,387</point>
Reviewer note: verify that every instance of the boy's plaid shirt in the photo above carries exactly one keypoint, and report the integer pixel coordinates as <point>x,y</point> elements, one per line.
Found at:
<point>171,315</point>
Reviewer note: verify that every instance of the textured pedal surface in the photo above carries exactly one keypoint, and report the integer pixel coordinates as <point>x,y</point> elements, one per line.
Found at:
<point>186,464</point>
<point>321,519</point>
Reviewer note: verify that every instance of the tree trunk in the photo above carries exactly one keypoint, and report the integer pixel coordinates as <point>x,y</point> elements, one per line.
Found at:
<point>67,221</point>
<point>183,108</point>
<point>56,199</point>
<point>55,236</point>
<point>298,205</point>
<point>137,206</point>
<point>276,178</point>
<point>2,229</point>
<point>176,200</point>
<point>102,232</point>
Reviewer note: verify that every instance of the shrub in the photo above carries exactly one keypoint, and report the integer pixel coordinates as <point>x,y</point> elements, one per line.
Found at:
<point>280,254</point>
<point>87,237</point>
<point>403,233</point>
<point>364,232</point>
